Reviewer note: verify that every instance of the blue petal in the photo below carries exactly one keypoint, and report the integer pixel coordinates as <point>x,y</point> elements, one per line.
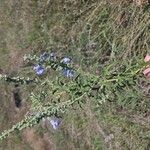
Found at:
<point>68,72</point>
<point>55,123</point>
<point>39,69</point>
<point>65,60</point>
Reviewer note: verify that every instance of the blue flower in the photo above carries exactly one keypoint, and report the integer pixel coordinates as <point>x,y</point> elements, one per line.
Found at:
<point>68,72</point>
<point>55,123</point>
<point>39,69</point>
<point>47,56</point>
<point>66,60</point>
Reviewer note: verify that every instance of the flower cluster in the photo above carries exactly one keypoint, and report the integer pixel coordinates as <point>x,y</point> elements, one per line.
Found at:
<point>45,57</point>
<point>39,69</point>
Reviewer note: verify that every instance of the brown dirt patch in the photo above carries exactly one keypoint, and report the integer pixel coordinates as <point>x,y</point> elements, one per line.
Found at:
<point>35,141</point>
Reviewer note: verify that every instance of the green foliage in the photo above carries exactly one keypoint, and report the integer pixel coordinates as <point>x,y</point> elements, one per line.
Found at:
<point>17,80</point>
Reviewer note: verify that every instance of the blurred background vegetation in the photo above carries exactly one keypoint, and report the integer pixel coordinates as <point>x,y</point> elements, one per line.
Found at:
<point>102,37</point>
